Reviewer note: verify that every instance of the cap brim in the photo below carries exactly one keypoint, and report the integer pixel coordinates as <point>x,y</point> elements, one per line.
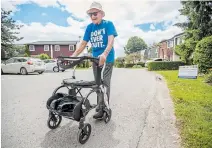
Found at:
<point>95,8</point>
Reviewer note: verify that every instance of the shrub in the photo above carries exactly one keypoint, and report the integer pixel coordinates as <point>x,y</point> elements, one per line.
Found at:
<point>27,52</point>
<point>159,65</point>
<point>203,54</point>
<point>185,50</point>
<point>208,78</point>
<point>137,66</point>
<point>141,64</point>
<point>119,65</point>
<point>44,56</point>
<point>128,65</point>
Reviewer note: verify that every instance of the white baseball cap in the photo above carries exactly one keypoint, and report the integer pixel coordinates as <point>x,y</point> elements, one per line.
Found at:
<point>96,5</point>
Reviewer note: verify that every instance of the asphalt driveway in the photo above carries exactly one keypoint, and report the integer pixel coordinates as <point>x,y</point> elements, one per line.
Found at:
<point>142,113</point>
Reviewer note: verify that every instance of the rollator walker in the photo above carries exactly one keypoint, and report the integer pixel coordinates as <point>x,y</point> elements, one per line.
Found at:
<point>73,105</point>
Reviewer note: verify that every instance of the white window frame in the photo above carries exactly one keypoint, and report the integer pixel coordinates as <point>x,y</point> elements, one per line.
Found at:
<point>55,47</point>
<point>168,42</point>
<point>46,49</point>
<point>72,47</point>
<point>33,48</point>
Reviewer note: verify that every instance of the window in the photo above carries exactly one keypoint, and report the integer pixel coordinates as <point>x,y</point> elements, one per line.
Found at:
<point>71,47</point>
<point>31,48</point>
<point>46,47</point>
<point>57,47</point>
<point>12,60</point>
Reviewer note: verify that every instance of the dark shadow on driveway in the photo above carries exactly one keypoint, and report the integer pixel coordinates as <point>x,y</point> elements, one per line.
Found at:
<point>66,136</point>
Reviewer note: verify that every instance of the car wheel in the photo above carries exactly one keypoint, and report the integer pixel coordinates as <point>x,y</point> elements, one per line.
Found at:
<point>40,72</point>
<point>23,71</point>
<point>56,69</point>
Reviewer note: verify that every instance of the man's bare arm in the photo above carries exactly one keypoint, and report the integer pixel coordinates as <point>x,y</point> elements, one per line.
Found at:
<point>80,49</point>
<point>109,45</point>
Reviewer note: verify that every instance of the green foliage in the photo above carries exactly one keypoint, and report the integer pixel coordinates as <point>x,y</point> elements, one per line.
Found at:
<point>130,65</point>
<point>142,64</point>
<point>27,52</point>
<point>208,78</point>
<point>133,57</point>
<point>203,54</point>
<point>119,65</point>
<point>8,34</point>
<point>185,50</point>
<point>199,22</point>
<point>44,56</point>
<point>197,27</point>
<point>193,109</point>
<point>119,62</point>
<point>137,66</point>
<point>135,44</point>
<point>159,65</point>
<point>84,64</point>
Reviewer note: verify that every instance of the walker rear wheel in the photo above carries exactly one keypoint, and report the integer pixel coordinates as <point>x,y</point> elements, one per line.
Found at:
<point>84,133</point>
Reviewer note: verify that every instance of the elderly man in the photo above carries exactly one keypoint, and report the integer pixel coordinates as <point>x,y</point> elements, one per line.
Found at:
<point>101,34</point>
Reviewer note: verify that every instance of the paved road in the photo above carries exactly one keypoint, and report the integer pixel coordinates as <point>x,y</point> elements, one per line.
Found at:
<point>142,113</point>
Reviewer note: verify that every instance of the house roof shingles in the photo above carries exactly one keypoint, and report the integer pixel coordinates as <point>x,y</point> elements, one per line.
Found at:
<point>53,43</point>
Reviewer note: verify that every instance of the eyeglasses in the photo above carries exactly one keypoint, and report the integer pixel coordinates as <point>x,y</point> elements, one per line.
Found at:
<point>93,13</point>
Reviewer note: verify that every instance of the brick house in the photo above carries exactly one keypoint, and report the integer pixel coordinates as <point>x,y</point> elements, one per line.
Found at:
<point>166,48</point>
<point>53,48</point>
<point>164,51</point>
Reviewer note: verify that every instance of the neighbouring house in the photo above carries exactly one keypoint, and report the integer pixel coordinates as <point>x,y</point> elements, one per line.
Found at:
<point>163,50</point>
<point>53,48</point>
<point>167,47</point>
<point>152,52</point>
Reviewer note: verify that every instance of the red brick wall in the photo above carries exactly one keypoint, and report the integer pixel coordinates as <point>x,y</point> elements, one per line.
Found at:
<point>164,52</point>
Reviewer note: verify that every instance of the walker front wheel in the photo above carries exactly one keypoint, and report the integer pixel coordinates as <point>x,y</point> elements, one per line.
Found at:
<point>84,133</point>
<point>107,115</point>
<point>54,121</point>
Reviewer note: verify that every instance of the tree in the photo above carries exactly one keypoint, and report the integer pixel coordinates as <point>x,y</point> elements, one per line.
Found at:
<point>133,57</point>
<point>27,52</point>
<point>197,26</point>
<point>203,54</point>
<point>8,34</point>
<point>135,44</point>
<point>119,62</point>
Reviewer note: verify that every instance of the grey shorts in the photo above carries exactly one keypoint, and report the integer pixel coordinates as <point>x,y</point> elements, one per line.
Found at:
<point>106,76</point>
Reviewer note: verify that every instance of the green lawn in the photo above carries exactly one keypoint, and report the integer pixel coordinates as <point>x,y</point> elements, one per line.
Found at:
<point>193,109</point>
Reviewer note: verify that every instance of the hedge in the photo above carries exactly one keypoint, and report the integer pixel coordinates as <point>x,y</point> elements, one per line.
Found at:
<point>203,54</point>
<point>129,65</point>
<point>168,65</point>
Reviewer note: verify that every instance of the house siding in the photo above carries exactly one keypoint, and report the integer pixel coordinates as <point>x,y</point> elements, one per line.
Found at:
<point>64,50</point>
<point>39,49</point>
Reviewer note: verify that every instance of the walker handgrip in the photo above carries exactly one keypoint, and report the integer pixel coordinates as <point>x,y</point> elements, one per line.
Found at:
<point>70,62</point>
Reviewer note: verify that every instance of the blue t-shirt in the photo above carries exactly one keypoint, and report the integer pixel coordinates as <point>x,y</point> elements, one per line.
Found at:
<point>98,34</point>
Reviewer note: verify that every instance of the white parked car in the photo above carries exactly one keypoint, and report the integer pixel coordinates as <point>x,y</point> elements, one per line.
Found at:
<point>22,65</point>
<point>51,65</point>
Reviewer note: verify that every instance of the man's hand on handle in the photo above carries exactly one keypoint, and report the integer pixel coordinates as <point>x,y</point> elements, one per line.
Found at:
<point>102,59</point>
